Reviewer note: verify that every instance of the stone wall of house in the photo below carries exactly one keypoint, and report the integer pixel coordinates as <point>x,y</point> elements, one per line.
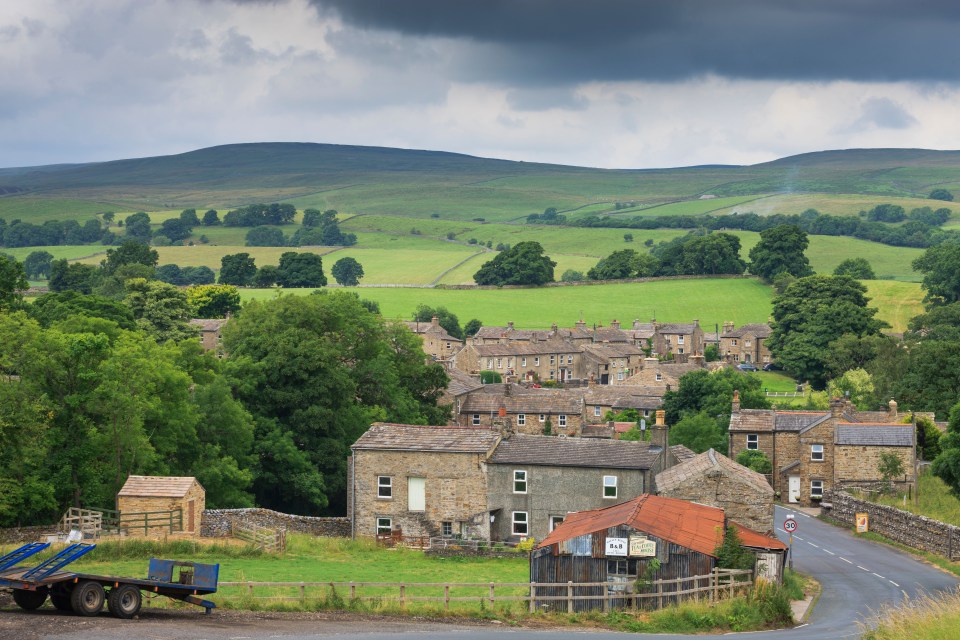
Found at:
<point>810,469</point>
<point>455,487</point>
<point>16,535</point>
<point>860,463</point>
<point>918,532</point>
<point>741,501</point>
<point>787,449</point>
<point>191,506</point>
<point>216,523</point>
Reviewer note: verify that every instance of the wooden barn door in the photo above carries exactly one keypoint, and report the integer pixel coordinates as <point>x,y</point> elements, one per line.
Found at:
<point>190,510</point>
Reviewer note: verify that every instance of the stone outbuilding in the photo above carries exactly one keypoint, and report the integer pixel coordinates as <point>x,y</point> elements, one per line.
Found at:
<point>713,479</point>
<point>152,494</point>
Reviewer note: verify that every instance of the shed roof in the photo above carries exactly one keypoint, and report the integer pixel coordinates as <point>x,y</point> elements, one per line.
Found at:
<point>878,435</point>
<point>551,451</point>
<point>406,437</point>
<point>157,486</point>
<point>687,524</point>
<point>757,540</point>
<point>697,467</point>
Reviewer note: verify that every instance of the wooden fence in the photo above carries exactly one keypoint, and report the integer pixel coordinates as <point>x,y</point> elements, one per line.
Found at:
<point>274,540</point>
<point>88,521</point>
<point>721,583</point>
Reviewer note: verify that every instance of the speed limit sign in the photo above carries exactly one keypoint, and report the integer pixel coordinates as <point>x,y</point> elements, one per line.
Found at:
<point>789,525</point>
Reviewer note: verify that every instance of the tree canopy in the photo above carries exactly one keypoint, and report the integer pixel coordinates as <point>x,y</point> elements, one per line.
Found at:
<point>13,283</point>
<point>941,194</point>
<point>856,268</point>
<point>347,272</point>
<point>524,263</point>
<point>237,269</point>
<point>625,263</point>
<point>37,264</point>
<point>447,319</point>
<point>780,250</point>
<point>300,270</point>
<point>940,266</point>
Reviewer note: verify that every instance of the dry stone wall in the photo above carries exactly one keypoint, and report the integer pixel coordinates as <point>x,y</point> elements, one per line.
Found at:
<point>918,532</point>
<point>27,534</point>
<point>216,523</point>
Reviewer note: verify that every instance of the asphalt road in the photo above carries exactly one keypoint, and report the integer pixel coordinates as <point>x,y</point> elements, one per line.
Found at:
<point>858,577</point>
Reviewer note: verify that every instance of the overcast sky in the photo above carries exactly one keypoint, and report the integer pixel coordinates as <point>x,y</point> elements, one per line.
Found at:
<point>605,83</point>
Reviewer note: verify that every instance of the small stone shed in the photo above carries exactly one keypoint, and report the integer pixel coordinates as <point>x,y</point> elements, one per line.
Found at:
<point>713,479</point>
<point>147,494</point>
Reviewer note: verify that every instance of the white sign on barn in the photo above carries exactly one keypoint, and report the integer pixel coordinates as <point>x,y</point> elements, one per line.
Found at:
<point>641,547</point>
<point>617,547</point>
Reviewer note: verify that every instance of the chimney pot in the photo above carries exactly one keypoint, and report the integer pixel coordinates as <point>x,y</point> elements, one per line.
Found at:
<point>435,321</point>
<point>735,408</point>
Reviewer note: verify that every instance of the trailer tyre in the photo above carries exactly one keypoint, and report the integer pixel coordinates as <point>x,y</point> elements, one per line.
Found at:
<point>124,601</point>
<point>30,600</point>
<point>87,598</point>
<point>61,600</point>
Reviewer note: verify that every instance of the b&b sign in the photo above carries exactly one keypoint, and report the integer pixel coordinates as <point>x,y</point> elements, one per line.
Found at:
<point>617,547</point>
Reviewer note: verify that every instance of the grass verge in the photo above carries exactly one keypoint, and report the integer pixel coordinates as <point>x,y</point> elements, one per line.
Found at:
<point>923,619</point>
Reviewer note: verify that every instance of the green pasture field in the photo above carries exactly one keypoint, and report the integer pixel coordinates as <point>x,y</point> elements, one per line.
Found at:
<point>828,203</point>
<point>935,501</point>
<point>39,210</point>
<point>695,207</point>
<point>897,301</point>
<point>712,301</point>
<point>93,253</point>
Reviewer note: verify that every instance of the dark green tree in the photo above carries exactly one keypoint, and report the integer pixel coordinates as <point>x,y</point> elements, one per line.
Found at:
<point>940,266</point>
<point>211,218</point>
<point>347,272</point>
<point>300,270</point>
<point>265,277</point>
<point>625,263</point>
<point>189,218</point>
<point>812,313</point>
<point>175,229</point>
<point>37,264</point>
<point>130,252</point>
<point>524,263</point>
<point>939,323</point>
<point>780,250</point>
<point>755,460</point>
<point>213,300</point>
<point>946,466</point>
<point>51,308</point>
<point>237,269</point>
<point>73,276</point>
<point>712,394</point>
<point>856,268</point>
<point>941,194</point>
<point>138,226</point>
<point>447,319</point>
<point>160,309</point>
<point>471,328</point>
<point>13,283</point>
<point>699,432</point>
<point>264,236</point>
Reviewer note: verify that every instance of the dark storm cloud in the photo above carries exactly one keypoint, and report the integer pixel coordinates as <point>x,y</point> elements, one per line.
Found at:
<point>562,41</point>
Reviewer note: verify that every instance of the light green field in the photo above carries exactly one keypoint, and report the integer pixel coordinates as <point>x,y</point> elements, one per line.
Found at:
<point>833,204</point>
<point>897,301</point>
<point>39,210</point>
<point>93,252</point>
<point>739,300</point>
<point>696,207</point>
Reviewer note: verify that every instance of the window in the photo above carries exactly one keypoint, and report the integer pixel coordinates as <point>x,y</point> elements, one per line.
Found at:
<point>553,359</point>
<point>520,527</point>
<point>746,343</point>
<point>521,419</point>
<point>553,374</point>
<point>609,486</point>
<point>562,420</point>
<point>619,375</point>
<point>416,494</point>
<point>510,363</point>
<point>446,529</point>
<point>523,362</point>
<point>679,349</point>
<point>476,420</point>
<point>384,526</point>
<point>646,413</point>
<point>816,452</point>
<point>753,441</point>
<point>384,487</point>
<point>536,362</point>
<point>569,359</point>
<point>489,363</point>
<point>499,363</point>
<point>679,339</point>
<point>596,410</point>
<point>659,376</point>
<point>816,488</point>
<point>555,521</point>
<point>519,481</point>
<point>543,417</point>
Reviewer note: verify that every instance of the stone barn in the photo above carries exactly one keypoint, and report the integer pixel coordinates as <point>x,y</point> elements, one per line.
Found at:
<point>158,494</point>
<point>713,479</point>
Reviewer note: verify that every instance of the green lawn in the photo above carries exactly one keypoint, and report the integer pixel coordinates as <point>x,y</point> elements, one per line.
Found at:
<point>897,301</point>
<point>739,300</point>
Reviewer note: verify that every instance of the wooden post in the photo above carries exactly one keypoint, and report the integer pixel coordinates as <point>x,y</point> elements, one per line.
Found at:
<point>353,591</point>
<point>303,593</point>
<point>715,579</point>
<point>446,597</point>
<point>492,598</point>
<point>606,600</point>
<point>730,590</point>
<point>659,594</point>
<point>533,596</point>
<point>570,596</point>
<point>403,596</point>
<point>250,589</point>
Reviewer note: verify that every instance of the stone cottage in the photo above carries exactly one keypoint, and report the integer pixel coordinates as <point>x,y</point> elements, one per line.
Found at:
<point>747,343</point>
<point>437,343</point>
<point>523,410</point>
<point>713,479</point>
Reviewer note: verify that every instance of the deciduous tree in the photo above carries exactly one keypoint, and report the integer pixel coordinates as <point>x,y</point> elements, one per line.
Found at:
<point>347,272</point>
<point>524,263</point>
<point>780,250</point>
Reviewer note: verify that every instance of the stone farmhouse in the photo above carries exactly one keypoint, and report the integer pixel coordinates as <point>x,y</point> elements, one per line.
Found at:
<point>437,343</point>
<point>209,330</point>
<point>813,452</point>
<point>491,484</point>
<point>713,479</point>
<point>523,410</point>
<point>680,340</point>
<point>660,375</point>
<point>552,358</point>
<point>745,344</point>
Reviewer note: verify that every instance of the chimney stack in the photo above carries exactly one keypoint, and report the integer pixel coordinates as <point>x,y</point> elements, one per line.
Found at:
<point>837,406</point>
<point>892,413</point>
<point>615,324</point>
<point>728,326</point>
<point>434,321</point>
<point>660,437</point>
<point>581,324</point>
<point>735,407</point>
<point>510,326</point>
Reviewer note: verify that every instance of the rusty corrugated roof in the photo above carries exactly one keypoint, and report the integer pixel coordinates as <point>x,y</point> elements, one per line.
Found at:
<point>687,524</point>
<point>757,540</point>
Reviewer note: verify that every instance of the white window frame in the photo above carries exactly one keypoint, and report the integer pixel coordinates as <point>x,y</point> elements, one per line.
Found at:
<point>476,420</point>
<point>553,360</point>
<point>816,488</point>
<point>679,349</point>
<point>536,361</point>
<point>522,522</point>
<point>489,363</point>
<point>609,482</point>
<point>499,363</point>
<point>543,417</point>
<point>521,419</point>
<point>619,375</point>
<point>523,362</point>
<point>815,450</point>
<point>570,359</point>
<point>659,376</point>
<point>562,420</point>
<point>381,485</point>
<point>679,339</point>
<point>753,442</point>
<point>519,480</point>
<point>556,521</point>
<point>384,525</point>
<point>596,410</point>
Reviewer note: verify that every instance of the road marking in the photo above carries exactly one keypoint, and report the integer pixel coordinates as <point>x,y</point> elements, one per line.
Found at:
<point>893,583</point>
<point>844,559</point>
<point>864,568</point>
<point>830,552</point>
<point>878,575</point>
<point>813,545</point>
<point>798,538</point>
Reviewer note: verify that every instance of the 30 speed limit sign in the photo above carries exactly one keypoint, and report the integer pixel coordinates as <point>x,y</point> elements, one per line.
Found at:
<point>789,525</point>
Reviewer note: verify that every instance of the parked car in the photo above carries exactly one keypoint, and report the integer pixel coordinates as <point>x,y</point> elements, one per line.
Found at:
<point>747,366</point>
<point>772,366</point>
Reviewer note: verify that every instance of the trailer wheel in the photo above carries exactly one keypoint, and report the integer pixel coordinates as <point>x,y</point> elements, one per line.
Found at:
<point>87,598</point>
<point>61,600</point>
<point>124,601</point>
<point>30,600</point>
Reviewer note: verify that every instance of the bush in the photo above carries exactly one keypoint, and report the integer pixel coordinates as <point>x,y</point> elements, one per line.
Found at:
<point>755,460</point>
<point>490,377</point>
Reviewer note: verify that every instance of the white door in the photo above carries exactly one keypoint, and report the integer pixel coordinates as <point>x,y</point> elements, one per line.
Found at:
<point>793,490</point>
<point>417,493</point>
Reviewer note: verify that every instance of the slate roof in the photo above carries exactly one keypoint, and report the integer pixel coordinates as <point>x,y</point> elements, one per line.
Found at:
<point>685,329</point>
<point>687,524</point>
<point>681,453</point>
<point>607,351</point>
<point>768,420</point>
<point>760,330</point>
<point>878,435</point>
<point>521,348</point>
<point>405,437</point>
<point>709,461</point>
<point>421,328</point>
<point>157,486</point>
<point>208,324</point>
<point>554,401</point>
<point>575,452</point>
<point>462,383</point>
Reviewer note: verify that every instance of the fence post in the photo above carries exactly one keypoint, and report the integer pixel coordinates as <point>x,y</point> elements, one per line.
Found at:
<point>715,580</point>
<point>492,597</point>
<point>403,596</point>
<point>446,597</point>
<point>606,599</point>
<point>533,596</point>
<point>730,589</point>
<point>250,589</point>
<point>659,594</point>
<point>570,596</point>
<point>303,594</point>
<point>353,591</point>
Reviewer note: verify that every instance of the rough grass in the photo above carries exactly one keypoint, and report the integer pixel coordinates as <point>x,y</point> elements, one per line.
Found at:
<point>935,501</point>
<point>840,204</point>
<point>926,618</point>
<point>898,302</point>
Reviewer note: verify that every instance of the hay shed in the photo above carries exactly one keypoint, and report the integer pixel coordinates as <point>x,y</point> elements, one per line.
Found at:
<point>159,494</point>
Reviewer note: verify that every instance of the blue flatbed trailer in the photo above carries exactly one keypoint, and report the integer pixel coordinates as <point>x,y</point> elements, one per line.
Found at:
<point>85,593</point>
